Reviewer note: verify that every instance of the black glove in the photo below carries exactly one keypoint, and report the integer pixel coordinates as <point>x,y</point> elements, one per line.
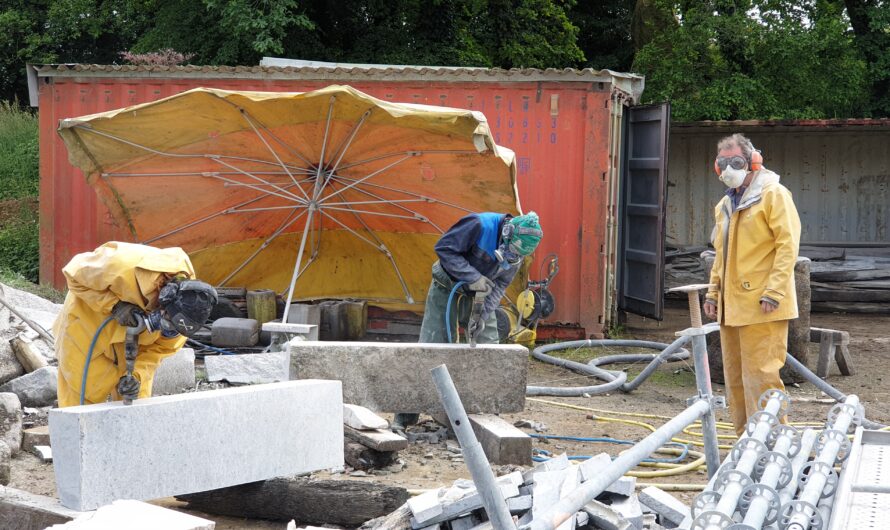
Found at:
<point>128,387</point>
<point>124,313</point>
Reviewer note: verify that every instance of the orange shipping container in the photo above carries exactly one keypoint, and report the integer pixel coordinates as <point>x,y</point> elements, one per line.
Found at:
<point>566,127</point>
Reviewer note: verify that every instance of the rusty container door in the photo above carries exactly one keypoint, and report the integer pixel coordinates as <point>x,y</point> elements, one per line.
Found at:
<point>643,204</point>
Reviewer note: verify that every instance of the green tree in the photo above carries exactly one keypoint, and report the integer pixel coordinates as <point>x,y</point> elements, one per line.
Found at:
<point>604,33</point>
<point>754,59</point>
<point>870,20</point>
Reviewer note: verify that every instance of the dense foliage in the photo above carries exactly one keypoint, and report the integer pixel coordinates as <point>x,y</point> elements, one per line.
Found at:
<point>714,59</point>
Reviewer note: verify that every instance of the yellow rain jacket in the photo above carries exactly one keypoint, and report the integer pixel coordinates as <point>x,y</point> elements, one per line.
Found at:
<point>756,247</point>
<point>97,280</point>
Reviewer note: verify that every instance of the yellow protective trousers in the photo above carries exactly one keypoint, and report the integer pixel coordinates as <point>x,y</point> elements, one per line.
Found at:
<point>752,358</point>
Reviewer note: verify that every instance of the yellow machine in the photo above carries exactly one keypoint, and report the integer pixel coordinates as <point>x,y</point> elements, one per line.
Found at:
<point>518,321</point>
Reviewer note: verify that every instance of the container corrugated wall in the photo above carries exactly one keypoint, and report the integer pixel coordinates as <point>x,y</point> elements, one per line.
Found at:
<point>839,177</point>
<point>559,131</point>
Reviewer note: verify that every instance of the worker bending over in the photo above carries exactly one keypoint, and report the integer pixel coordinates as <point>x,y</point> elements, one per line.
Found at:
<point>483,252</point>
<point>756,240</point>
<point>121,282</point>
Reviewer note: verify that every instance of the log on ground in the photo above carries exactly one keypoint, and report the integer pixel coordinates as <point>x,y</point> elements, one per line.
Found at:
<point>337,502</point>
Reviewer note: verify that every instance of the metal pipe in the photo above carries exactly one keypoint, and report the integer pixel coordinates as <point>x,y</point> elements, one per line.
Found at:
<point>572,503</point>
<point>764,505</point>
<point>708,421</point>
<point>807,441</point>
<point>33,325</point>
<point>822,385</point>
<point>492,498</point>
<point>746,452</point>
<point>800,513</point>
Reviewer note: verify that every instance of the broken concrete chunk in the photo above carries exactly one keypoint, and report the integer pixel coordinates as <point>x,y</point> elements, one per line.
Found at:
<point>554,464</point>
<point>360,418</point>
<point>35,436</point>
<point>519,504</point>
<point>5,464</point>
<point>248,369</point>
<point>604,517</point>
<point>379,439</point>
<point>37,389</point>
<point>624,486</point>
<point>22,510</point>
<point>175,374</point>
<point>299,422</point>
<point>629,508</point>
<point>235,332</point>
<point>135,515</point>
<point>502,442</point>
<point>11,421</point>
<point>44,452</point>
<point>593,466</point>
<point>664,504</point>
<point>426,506</point>
<point>10,367</point>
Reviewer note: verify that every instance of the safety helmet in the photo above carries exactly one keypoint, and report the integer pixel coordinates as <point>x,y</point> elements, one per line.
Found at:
<point>187,304</point>
<point>523,233</point>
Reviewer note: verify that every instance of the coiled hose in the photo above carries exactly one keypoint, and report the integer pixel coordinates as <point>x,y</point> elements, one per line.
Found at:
<point>615,380</point>
<point>86,365</point>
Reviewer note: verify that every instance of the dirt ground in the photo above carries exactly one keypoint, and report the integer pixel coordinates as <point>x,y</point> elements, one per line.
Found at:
<point>664,394</point>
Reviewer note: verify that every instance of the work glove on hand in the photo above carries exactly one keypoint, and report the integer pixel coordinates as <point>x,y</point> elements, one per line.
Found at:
<point>482,285</point>
<point>128,387</point>
<point>125,313</point>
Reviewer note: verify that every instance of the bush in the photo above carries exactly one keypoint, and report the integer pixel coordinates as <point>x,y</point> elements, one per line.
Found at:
<point>20,242</point>
<point>19,158</point>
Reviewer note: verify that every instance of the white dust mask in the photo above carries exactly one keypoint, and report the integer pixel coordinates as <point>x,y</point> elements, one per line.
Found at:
<point>733,178</point>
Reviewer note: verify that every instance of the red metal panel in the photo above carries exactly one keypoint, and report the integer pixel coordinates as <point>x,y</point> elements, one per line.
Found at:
<point>559,132</point>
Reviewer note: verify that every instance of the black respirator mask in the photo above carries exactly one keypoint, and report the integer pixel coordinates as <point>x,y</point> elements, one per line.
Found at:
<point>185,306</point>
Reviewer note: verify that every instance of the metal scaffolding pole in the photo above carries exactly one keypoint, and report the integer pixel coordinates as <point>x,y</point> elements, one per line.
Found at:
<point>572,503</point>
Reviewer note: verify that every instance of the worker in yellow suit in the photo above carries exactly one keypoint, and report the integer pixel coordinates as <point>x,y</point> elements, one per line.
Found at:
<point>756,239</point>
<point>122,280</point>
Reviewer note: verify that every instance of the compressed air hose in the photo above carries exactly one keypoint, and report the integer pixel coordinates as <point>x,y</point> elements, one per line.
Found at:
<point>454,289</point>
<point>86,365</point>
<point>615,380</point>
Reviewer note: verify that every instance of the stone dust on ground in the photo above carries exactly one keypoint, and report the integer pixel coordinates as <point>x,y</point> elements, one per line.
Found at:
<point>664,394</point>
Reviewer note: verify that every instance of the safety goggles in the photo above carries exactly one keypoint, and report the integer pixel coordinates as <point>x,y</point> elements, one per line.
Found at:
<point>735,162</point>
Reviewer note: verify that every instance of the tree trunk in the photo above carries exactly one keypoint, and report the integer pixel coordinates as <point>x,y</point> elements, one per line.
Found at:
<point>308,501</point>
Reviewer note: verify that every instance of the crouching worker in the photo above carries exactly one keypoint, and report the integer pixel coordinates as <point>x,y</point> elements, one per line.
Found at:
<point>113,288</point>
<point>480,254</point>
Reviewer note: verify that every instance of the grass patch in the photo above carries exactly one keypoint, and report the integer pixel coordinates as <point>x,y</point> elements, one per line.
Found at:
<point>20,240</point>
<point>17,281</point>
<point>19,154</point>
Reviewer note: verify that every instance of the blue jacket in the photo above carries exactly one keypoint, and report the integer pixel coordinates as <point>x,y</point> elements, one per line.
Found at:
<point>466,252</point>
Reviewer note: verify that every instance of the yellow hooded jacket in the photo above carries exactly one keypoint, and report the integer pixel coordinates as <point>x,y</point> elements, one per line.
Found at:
<point>97,280</point>
<point>756,247</point>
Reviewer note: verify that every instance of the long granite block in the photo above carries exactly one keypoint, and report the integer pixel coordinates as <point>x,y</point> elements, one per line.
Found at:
<point>395,377</point>
<point>135,515</point>
<point>186,443</point>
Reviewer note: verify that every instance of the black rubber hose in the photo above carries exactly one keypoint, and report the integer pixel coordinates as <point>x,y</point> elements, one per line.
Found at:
<point>823,385</point>
<point>615,380</point>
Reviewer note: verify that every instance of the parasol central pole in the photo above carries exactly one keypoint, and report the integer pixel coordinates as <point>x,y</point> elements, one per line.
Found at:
<point>293,280</point>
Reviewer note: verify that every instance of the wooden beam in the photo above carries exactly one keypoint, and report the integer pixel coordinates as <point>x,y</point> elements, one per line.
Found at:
<point>337,502</point>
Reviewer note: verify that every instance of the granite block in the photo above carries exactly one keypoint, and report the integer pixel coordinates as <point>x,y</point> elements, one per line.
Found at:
<point>187,443</point>
<point>249,369</point>
<point>395,377</point>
